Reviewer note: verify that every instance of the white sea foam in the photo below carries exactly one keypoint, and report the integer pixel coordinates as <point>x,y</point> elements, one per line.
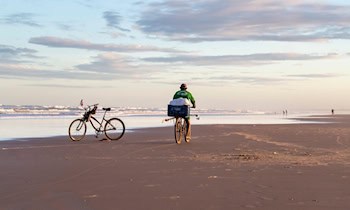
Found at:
<point>35,111</point>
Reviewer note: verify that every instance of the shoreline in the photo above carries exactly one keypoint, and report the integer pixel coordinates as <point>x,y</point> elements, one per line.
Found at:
<point>292,120</point>
<point>298,166</point>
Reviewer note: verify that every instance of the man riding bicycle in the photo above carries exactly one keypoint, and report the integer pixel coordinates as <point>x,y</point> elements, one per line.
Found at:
<point>183,93</point>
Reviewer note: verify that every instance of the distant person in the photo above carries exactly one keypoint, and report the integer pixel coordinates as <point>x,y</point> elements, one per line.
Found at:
<point>332,111</point>
<point>183,93</point>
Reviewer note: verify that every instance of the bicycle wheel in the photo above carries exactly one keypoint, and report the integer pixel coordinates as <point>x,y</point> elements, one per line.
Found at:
<point>184,128</point>
<point>114,129</point>
<point>77,130</point>
<point>178,130</point>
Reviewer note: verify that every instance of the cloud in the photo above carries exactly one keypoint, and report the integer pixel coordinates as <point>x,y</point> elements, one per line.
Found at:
<point>252,59</point>
<point>57,42</point>
<point>313,76</point>
<point>65,27</point>
<point>268,20</point>
<point>113,20</point>
<point>68,86</point>
<point>110,66</point>
<point>21,71</point>
<point>117,34</point>
<point>106,66</point>
<point>21,19</point>
<point>108,63</point>
<point>6,50</point>
<point>118,66</point>
<point>229,79</point>
<point>252,80</point>
<point>10,54</point>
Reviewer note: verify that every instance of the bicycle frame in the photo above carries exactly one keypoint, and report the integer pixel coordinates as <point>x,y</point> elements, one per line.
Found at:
<point>98,128</point>
<point>93,120</point>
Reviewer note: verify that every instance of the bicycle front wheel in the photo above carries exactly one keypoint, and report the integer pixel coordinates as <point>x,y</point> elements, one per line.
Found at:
<point>184,130</point>
<point>77,130</point>
<point>114,129</point>
<point>178,130</point>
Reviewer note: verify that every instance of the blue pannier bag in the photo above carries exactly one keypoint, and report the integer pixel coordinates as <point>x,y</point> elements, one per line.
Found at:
<point>178,111</point>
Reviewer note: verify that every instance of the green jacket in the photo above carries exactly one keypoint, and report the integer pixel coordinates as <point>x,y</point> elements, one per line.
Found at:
<point>185,94</point>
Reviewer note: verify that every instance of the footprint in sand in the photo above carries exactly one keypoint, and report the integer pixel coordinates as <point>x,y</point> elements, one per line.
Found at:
<point>152,185</point>
<point>174,197</point>
<point>91,196</point>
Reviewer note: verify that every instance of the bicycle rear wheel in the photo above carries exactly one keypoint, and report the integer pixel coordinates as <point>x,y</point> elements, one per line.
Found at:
<point>114,129</point>
<point>77,130</point>
<point>178,130</point>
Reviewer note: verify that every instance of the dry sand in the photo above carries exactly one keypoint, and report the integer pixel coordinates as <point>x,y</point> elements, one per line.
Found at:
<point>300,166</point>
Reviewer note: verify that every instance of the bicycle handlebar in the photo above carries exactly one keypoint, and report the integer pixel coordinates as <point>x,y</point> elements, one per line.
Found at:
<point>195,115</point>
<point>88,106</point>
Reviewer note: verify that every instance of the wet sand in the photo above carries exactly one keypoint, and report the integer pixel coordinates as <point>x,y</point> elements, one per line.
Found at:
<point>298,166</point>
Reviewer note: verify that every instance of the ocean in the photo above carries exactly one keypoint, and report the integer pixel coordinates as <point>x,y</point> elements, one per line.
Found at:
<point>30,121</point>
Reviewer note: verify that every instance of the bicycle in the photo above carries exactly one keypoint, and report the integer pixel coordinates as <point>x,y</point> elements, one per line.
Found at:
<point>113,128</point>
<point>180,125</point>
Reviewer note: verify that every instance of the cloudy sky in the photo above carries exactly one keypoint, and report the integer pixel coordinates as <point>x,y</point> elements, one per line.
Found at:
<point>233,54</point>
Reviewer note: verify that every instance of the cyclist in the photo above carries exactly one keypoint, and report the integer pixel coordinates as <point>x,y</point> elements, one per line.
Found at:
<point>183,93</point>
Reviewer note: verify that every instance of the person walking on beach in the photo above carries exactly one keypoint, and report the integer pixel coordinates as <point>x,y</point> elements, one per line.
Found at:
<point>183,93</point>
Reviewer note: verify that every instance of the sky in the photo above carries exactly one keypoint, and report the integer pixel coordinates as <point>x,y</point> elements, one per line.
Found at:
<point>233,54</point>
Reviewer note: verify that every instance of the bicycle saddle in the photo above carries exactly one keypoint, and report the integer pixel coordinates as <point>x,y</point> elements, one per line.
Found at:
<point>107,109</point>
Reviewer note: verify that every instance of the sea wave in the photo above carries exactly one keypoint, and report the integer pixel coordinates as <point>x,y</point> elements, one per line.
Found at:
<point>38,111</point>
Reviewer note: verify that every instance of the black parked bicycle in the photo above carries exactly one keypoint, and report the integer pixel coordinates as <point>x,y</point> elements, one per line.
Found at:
<point>113,128</point>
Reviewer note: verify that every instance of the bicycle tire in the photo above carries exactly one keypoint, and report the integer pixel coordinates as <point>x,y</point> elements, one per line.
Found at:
<point>114,129</point>
<point>178,130</point>
<point>77,130</point>
<point>184,128</point>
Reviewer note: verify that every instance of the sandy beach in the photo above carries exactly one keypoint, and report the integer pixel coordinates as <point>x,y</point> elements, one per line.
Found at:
<point>297,166</point>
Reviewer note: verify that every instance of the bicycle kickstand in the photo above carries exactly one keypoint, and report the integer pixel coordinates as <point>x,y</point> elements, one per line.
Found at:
<point>97,133</point>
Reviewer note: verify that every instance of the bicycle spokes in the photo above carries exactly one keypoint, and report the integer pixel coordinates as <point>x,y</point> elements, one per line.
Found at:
<point>114,129</point>
<point>80,125</point>
<point>110,127</point>
<point>77,130</point>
